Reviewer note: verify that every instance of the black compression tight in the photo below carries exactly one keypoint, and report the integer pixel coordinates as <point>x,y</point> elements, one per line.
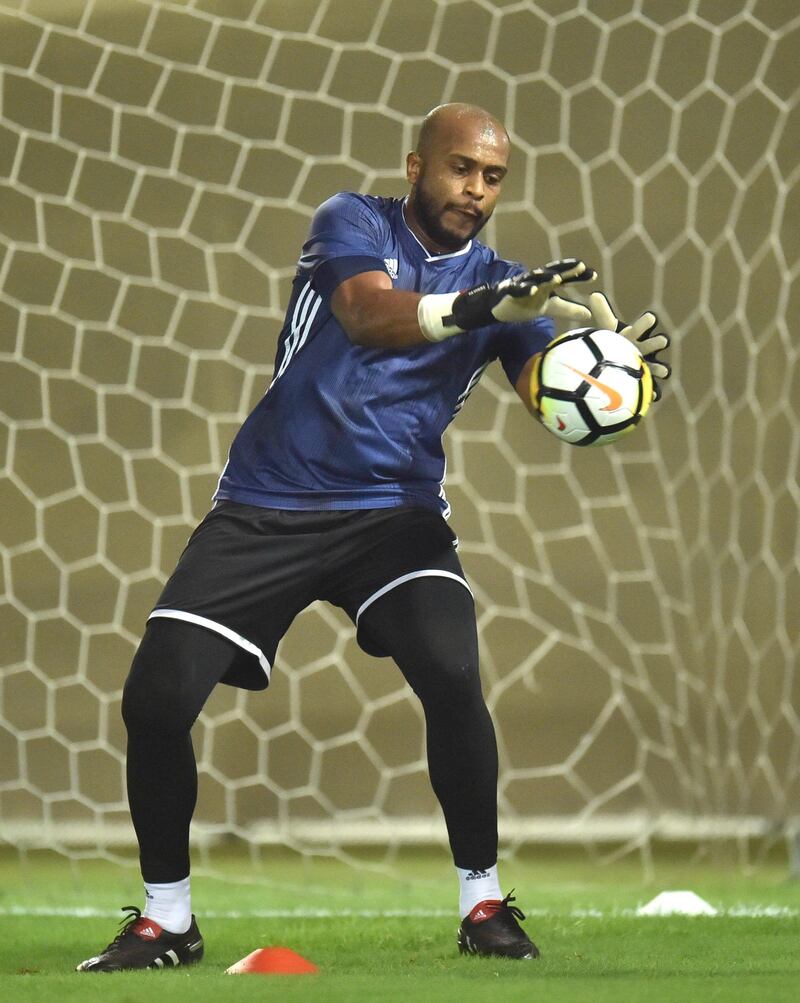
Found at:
<point>428,625</point>
<point>174,671</point>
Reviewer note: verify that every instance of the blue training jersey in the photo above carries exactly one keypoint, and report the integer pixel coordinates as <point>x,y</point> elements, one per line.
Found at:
<point>343,426</point>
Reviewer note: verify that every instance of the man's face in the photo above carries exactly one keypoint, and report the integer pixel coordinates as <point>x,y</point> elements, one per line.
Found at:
<point>456,184</point>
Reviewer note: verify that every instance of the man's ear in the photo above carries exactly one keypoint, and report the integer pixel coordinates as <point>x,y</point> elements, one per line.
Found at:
<point>413,165</point>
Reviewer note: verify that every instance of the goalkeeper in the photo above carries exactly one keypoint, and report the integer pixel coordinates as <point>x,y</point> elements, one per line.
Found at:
<point>334,490</point>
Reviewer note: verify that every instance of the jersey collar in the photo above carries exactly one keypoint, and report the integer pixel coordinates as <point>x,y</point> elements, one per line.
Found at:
<point>432,257</point>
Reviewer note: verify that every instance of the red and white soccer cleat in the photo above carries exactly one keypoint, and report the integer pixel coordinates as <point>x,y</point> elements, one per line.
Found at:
<point>492,930</point>
<point>142,943</point>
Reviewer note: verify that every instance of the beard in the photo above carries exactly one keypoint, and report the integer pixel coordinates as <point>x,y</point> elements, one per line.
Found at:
<point>429,216</point>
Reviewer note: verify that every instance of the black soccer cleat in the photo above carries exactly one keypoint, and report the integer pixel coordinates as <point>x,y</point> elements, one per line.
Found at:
<point>142,943</point>
<point>492,930</point>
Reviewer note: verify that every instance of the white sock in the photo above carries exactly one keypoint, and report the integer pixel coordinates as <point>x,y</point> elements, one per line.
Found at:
<point>170,905</point>
<point>477,886</point>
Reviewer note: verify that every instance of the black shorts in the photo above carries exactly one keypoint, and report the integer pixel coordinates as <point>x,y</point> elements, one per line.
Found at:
<point>248,571</point>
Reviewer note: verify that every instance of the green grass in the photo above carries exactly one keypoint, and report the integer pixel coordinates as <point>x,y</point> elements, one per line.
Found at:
<point>594,947</point>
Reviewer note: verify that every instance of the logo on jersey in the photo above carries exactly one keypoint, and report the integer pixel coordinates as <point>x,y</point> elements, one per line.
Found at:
<point>391,267</point>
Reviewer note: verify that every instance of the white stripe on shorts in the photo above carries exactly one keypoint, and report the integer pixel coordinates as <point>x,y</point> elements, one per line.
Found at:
<point>218,628</point>
<point>431,572</point>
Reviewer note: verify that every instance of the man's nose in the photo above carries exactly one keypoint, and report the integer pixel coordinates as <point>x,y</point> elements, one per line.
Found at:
<point>475,185</point>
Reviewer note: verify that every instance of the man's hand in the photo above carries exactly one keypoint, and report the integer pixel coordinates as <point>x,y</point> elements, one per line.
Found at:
<point>524,296</point>
<point>640,332</point>
<point>510,301</point>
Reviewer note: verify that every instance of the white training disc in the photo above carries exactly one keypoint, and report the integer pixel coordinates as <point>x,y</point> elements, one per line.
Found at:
<point>682,903</point>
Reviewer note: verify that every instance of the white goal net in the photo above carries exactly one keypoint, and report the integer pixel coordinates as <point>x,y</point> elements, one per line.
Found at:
<point>638,605</point>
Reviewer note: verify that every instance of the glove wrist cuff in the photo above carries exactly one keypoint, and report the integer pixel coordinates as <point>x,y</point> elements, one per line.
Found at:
<point>473,307</point>
<point>435,316</point>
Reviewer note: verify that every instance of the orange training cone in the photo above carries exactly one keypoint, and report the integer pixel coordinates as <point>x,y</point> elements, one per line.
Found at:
<point>272,961</point>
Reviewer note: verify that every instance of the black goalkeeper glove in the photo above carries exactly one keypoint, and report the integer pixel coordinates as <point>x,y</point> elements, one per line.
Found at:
<point>640,332</point>
<point>510,301</point>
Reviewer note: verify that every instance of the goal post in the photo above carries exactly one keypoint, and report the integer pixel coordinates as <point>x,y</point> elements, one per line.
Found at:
<point>637,605</point>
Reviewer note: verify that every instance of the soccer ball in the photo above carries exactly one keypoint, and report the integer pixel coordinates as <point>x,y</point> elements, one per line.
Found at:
<point>590,386</point>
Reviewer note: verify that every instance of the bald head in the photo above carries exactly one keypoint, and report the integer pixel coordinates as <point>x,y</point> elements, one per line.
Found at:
<point>455,174</point>
<point>447,123</point>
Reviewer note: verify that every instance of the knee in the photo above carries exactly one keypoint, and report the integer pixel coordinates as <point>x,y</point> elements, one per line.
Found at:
<point>449,684</point>
<point>154,701</point>
<point>151,711</point>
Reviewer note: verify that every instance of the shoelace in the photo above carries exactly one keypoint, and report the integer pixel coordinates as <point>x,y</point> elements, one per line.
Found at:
<point>492,908</point>
<point>133,916</point>
<point>515,911</point>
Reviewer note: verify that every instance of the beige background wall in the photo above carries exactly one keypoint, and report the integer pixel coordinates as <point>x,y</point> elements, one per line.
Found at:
<point>159,163</point>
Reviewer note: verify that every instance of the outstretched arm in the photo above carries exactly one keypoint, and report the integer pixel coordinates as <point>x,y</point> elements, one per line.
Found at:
<point>373,313</point>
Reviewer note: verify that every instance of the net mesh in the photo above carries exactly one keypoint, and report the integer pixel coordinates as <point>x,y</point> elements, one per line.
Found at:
<point>159,163</point>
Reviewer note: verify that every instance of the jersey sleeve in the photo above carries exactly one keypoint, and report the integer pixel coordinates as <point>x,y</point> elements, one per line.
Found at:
<point>346,238</point>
